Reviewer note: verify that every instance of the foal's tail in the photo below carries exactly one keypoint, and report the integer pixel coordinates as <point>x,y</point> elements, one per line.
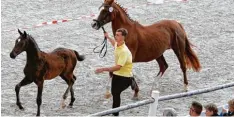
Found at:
<point>79,57</point>
<point>191,58</point>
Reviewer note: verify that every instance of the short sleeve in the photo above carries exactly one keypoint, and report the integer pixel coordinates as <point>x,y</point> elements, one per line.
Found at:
<point>122,58</point>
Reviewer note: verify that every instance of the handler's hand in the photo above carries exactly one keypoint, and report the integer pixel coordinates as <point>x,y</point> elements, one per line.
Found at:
<point>99,70</point>
<point>106,35</point>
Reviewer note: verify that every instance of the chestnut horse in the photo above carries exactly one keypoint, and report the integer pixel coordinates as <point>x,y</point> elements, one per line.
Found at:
<point>150,42</point>
<point>42,66</point>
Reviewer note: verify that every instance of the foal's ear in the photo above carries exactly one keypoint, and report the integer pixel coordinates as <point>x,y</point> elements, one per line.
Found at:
<point>108,1</point>
<point>25,34</point>
<point>20,32</point>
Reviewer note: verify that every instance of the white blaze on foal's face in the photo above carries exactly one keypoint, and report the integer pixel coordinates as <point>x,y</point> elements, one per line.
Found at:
<point>18,40</point>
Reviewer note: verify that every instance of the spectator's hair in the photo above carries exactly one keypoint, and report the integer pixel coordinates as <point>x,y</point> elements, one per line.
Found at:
<point>197,107</point>
<point>169,112</point>
<point>212,107</point>
<point>123,31</point>
<point>231,103</point>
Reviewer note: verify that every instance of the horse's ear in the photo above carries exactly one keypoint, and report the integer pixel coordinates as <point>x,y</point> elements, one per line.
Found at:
<point>108,1</point>
<point>25,34</point>
<point>20,32</point>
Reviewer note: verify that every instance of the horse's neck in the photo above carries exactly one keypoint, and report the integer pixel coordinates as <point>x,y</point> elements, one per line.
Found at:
<point>121,20</point>
<point>116,24</point>
<point>33,52</point>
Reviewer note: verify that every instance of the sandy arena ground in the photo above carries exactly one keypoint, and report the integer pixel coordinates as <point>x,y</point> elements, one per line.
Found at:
<point>208,23</point>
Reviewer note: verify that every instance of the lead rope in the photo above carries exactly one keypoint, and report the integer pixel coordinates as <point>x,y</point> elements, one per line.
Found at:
<point>104,45</point>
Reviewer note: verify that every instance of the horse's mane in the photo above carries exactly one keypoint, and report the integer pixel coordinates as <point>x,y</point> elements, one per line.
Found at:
<point>33,41</point>
<point>125,11</point>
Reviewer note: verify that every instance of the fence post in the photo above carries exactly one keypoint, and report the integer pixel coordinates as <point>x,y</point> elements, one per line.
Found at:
<point>153,106</point>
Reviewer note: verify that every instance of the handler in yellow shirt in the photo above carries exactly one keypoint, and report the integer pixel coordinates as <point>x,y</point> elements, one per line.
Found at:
<point>122,71</point>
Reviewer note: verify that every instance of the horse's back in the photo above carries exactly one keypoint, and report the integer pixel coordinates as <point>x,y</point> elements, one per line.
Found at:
<point>61,61</point>
<point>166,29</point>
<point>59,50</point>
<point>65,53</point>
<point>155,39</point>
<point>172,24</point>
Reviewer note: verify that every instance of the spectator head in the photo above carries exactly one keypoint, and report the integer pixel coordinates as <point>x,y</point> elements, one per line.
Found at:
<point>169,112</point>
<point>211,109</point>
<point>231,105</point>
<point>195,109</point>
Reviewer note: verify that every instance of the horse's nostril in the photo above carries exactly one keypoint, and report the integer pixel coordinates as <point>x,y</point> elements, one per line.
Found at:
<point>94,24</point>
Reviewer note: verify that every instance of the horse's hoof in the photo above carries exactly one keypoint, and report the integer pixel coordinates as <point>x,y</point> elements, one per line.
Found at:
<point>63,106</point>
<point>69,106</point>
<point>21,107</point>
<point>185,88</point>
<point>135,98</point>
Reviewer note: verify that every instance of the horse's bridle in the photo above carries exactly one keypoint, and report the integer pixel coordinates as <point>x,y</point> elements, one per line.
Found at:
<point>101,23</point>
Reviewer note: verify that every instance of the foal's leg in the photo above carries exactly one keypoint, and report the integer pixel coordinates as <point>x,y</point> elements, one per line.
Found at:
<point>69,82</point>
<point>24,82</point>
<point>72,91</point>
<point>162,65</point>
<point>39,95</point>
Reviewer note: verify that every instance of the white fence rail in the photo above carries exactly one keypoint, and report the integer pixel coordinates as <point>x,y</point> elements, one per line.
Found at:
<point>155,98</point>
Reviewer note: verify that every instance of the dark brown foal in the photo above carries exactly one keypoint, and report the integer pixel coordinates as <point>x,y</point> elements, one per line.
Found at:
<point>42,66</point>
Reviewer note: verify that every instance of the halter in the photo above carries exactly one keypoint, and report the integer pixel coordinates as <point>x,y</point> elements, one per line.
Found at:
<point>110,10</point>
<point>104,45</point>
<point>101,23</point>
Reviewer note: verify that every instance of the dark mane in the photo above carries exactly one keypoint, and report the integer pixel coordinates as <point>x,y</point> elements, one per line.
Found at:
<point>33,41</point>
<point>125,11</point>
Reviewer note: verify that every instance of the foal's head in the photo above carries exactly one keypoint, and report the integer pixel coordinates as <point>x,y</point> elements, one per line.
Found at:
<point>21,44</point>
<point>106,15</point>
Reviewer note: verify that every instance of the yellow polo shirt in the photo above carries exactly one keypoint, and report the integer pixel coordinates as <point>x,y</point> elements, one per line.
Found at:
<point>123,57</point>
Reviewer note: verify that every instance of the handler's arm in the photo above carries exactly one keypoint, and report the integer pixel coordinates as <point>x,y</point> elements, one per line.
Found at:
<point>112,69</point>
<point>112,41</point>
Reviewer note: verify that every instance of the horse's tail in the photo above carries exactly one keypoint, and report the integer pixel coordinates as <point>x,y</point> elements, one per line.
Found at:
<point>190,57</point>
<point>79,57</point>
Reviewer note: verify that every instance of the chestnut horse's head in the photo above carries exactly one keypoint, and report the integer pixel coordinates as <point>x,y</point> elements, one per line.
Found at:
<point>106,14</point>
<point>21,44</point>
